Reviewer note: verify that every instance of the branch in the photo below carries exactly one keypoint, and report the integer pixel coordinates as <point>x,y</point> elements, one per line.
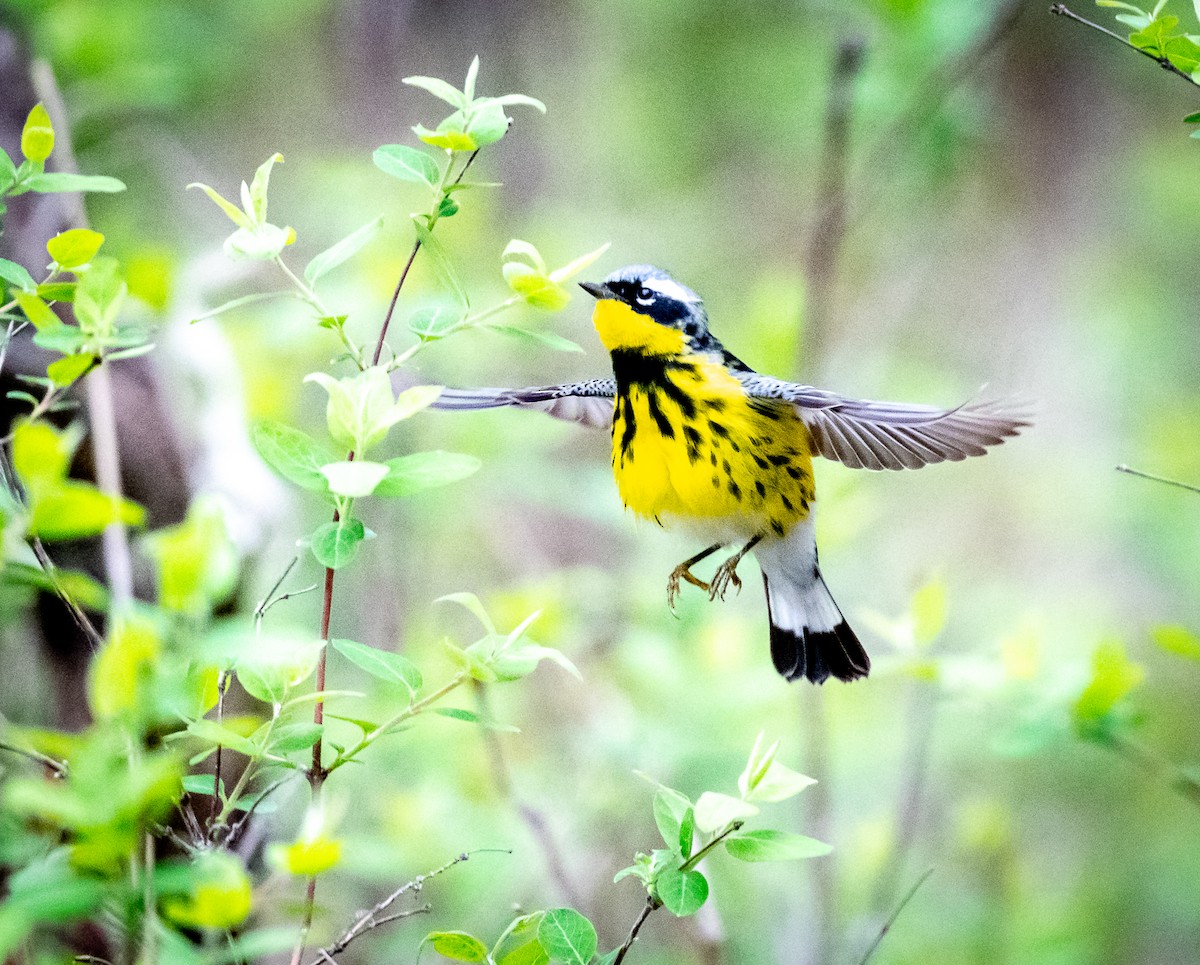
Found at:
<point>887,925</point>
<point>650,906</point>
<point>58,767</point>
<point>1162,479</point>
<point>375,917</point>
<point>1060,10</point>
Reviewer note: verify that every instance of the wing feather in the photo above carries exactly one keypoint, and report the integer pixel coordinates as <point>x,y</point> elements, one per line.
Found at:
<point>892,435</point>
<point>587,403</point>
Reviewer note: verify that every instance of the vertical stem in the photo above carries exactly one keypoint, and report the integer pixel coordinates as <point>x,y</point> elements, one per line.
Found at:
<point>118,562</point>
<point>819,926</point>
<point>824,248</point>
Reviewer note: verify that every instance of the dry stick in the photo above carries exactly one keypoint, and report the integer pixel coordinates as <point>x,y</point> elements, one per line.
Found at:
<point>1061,10</point>
<point>317,772</point>
<point>1162,479</point>
<point>371,919</point>
<point>534,819</point>
<point>887,925</point>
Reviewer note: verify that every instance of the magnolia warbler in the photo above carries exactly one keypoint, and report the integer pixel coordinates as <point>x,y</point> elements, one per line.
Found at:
<point>702,442</point>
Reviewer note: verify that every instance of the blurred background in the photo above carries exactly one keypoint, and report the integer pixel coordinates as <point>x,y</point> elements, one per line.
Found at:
<point>995,196</point>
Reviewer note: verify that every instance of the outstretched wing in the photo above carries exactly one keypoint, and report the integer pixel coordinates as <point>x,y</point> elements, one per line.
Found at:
<point>892,435</point>
<point>588,403</point>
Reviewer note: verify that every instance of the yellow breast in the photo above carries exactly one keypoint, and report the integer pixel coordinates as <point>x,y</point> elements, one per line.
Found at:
<point>690,444</point>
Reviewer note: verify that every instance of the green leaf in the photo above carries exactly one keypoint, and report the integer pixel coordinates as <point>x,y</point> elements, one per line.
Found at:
<point>548,339</point>
<point>715,811</point>
<point>296,456</point>
<point>121,675</point>
<point>15,276</point>
<point>214,733</point>
<point>1113,676</point>
<point>37,311</point>
<point>774,846</point>
<point>295,737</point>
<point>488,123</point>
<point>8,174</point>
<point>687,833</point>
<point>57,291</point>
<point>58,183</point>
<point>393,668</point>
<point>449,135</point>
<point>424,470</point>
<point>99,297</point>
<point>447,208</point>
<point>361,409</point>
<point>336,544</point>
<point>472,76</point>
<point>406,163</point>
<point>505,100</point>
<point>73,510</point>
<point>254,200</point>
<point>37,136</point>
<point>345,249</point>
<point>202,784</point>
<point>434,322</point>
<point>470,602</point>
<point>64,371</point>
<point>74,248</point>
<point>531,953</point>
<point>567,936</point>
<point>1193,118</point>
<point>573,268</point>
<point>470,717</point>
<point>232,211</point>
<point>682,893</point>
<point>670,809</point>
<point>457,946</point>
<point>929,612</point>
<point>355,478</point>
<point>441,262</point>
<point>439,89</point>
<point>1177,639</point>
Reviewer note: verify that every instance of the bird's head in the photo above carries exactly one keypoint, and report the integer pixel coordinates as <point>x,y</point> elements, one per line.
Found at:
<point>642,308</point>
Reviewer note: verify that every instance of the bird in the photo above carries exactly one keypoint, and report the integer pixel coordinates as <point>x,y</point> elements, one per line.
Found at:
<point>703,443</point>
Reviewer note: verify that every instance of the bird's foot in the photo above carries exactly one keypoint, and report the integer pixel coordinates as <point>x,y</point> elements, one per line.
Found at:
<point>681,572</point>
<point>725,577</point>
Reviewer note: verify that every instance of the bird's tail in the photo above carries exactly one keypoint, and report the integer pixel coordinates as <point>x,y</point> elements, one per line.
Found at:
<point>809,636</point>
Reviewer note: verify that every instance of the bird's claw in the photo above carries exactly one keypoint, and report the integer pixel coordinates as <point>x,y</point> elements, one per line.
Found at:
<point>681,572</point>
<point>724,577</point>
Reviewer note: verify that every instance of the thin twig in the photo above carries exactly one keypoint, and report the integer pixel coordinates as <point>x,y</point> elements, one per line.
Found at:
<point>1061,10</point>
<point>372,918</point>
<point>86,627</point>
<point>265,603</point>
<point>58,767</point>
<point>1162,479</point>
<point>887,925</point>
<point>235,830</point>
<point>647,908</point>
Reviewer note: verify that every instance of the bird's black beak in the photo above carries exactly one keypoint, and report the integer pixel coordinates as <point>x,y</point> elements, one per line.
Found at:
<point>597,289</point>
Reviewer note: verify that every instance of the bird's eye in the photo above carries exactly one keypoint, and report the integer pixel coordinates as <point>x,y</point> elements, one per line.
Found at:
<point>645,296</point>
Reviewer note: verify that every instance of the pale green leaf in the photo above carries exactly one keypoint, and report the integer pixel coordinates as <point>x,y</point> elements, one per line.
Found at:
<point>392,668</point>
<point>345,249</point>
<point>406,163</point>
<point>774,846</point>
<point>682,893</point>
<point>355,478</point>
<point>714,812</point>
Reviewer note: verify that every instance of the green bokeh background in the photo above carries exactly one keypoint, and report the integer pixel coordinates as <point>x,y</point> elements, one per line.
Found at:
<point>1023,218</point>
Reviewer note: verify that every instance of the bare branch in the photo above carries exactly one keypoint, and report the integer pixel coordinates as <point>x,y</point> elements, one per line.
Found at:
<point>887,925</point>
<point>650,906</point>
<point>1162,479</point>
